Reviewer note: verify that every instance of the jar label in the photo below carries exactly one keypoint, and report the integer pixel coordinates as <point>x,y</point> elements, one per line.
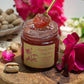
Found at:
<point>39,56</point>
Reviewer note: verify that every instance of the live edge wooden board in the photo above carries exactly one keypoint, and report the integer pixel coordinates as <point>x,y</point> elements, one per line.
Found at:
<point>26,76</point>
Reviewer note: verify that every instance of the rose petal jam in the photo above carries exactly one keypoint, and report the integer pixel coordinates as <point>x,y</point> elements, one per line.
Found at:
<point>40,46</point>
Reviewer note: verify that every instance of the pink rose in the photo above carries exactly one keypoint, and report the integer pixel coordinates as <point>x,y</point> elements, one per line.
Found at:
<point>73,55</point>
<point>8,55</point>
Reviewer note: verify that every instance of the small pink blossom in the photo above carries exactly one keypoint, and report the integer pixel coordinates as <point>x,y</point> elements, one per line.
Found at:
<point>8,55</point>
<point>73,55</point>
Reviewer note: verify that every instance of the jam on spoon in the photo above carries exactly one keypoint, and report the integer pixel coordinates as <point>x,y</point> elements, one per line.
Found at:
<point>42,20</point>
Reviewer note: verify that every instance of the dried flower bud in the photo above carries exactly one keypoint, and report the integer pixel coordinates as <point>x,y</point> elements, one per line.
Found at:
<point>16,22</point>
<point>1,11</point>
<point>4,27</point>
<point>1,18</point>
<point>11,18</point>
<point>4,14</point>
<point>9,11</point>
<point>10,26</point>
<point>5,22</point>
<point>14,47</point>
<point>8,55</point>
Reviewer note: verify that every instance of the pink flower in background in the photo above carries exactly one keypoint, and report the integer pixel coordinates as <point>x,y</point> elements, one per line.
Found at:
<point>22,8</point>
<point>26,9</point>
<point>56,11</point>
<point>59,2</point>
<point>38,6</point>
<point>74,54</point>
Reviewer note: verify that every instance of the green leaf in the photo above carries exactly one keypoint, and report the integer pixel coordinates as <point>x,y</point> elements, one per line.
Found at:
<point>75,18</point>
<point>82,32</point>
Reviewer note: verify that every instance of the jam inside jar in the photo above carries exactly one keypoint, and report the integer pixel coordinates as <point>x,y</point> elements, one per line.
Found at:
<point>40,46</point>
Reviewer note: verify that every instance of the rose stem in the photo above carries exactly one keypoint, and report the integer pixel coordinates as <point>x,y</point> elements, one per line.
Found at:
<point>50,7</point>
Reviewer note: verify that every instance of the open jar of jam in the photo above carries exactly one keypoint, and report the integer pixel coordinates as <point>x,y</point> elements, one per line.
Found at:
<point>40,46</point>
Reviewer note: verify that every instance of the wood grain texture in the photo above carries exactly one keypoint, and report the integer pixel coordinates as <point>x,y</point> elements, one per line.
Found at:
<point>26,76</point>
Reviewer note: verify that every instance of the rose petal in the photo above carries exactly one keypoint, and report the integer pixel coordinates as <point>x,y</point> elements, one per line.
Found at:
<point>37,6</point>
<point>67,59</point>
<point>59,66</point>
<point>71,60</point>
<point>75,35</point>
<point>68,49</point>
<point>79,57</point>
<point>71,38</point>
<point>22,8</point>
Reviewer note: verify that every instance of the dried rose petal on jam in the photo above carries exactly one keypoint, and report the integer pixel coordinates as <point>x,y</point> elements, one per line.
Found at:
<point>41,20</point>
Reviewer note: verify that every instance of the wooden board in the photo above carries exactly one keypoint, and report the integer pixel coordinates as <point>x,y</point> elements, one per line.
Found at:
<point>26,76</point>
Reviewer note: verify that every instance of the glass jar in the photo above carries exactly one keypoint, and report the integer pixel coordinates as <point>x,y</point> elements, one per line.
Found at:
<point>40,46</point>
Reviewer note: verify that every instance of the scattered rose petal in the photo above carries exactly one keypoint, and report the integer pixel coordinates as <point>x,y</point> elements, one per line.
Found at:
<point>74,54</point>
<point>8,55</point>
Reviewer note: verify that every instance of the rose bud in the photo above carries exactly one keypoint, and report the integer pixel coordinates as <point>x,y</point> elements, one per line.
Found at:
<point>8,55</point>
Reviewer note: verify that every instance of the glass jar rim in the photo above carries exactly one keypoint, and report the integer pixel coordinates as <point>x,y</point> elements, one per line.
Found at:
<point>39,34</point>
